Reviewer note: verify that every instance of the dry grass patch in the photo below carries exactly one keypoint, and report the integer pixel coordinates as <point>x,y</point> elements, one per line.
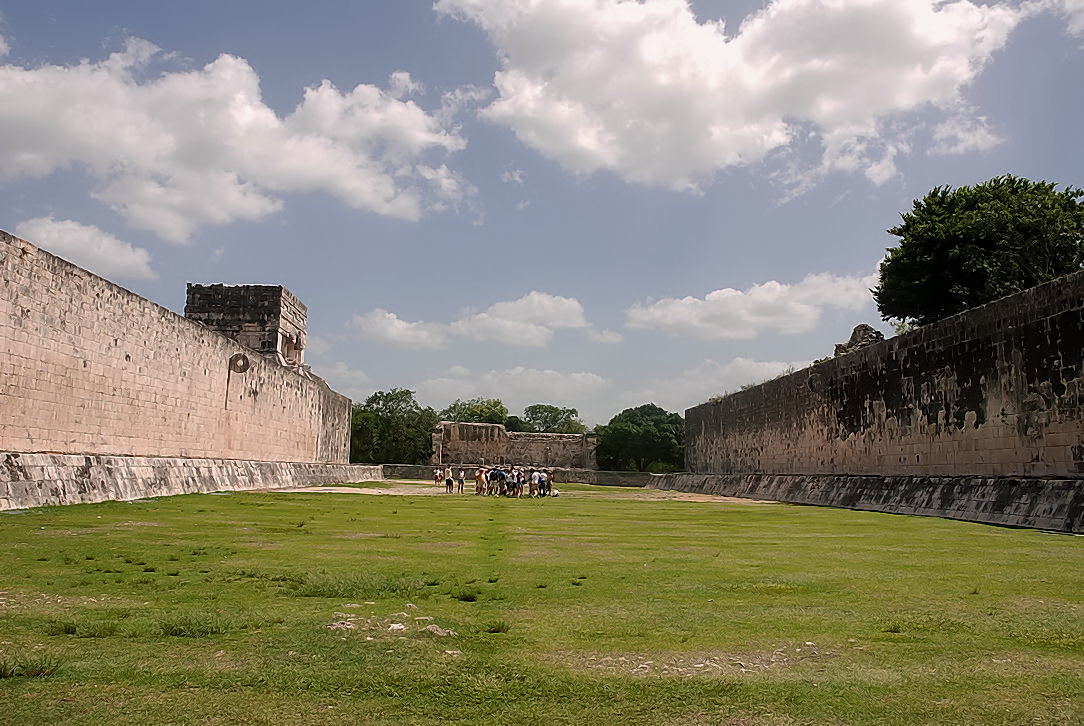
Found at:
<point>690,664</point>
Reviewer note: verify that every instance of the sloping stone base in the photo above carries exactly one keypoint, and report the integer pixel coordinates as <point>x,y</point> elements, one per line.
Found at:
<point>36,480</point>
<point>1051,504</point>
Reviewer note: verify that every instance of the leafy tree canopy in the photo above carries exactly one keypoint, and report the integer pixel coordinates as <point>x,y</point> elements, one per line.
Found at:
<point>515,423</point>
<point>476,410</point>
<point>964,247</point>
<point>645,438</point>
<point>544,418</point>
<point>391,427</point>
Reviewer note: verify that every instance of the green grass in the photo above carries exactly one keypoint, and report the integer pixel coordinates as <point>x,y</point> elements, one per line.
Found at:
<point>600,606</point>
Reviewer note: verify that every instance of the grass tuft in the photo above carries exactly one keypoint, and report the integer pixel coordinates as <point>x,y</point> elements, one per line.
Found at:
<point>29,665</point>
<point>349,585</point>
<point>466,595</point>
<point>194,625</point>
<point>498,626</point>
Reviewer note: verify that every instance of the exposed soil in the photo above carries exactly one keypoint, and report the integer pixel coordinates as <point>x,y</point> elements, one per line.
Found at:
<point>414,489</point>
<point>691,664</point>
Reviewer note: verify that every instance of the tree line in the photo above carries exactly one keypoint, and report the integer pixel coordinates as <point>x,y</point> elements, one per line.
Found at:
<point>391,427</point>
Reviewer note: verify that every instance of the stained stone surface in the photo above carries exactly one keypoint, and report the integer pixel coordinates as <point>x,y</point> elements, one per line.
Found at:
<point>997,391</point>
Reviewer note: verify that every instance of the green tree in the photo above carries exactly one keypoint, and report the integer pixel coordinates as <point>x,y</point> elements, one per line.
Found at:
<point>544,418</point>
<point>645,438</point>
<point>515,423</point>
<point>391,427</point>
<point>476,410</point>
<point>960,248</point>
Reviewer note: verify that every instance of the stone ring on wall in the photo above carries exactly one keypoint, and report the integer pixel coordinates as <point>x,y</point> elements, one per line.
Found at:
<point>239,363</point>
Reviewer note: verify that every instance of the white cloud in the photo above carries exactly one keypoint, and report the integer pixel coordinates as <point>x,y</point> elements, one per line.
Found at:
<point>606,336</point>
<point>769,306</point>
<point>645,90</point>
<point>512,176</point>
<point>517,387</point>
<point>528,321</point>
<point>1073,11</point>
<point>402,85</point>
<point>89,247</point>
<point>962,134</point>
<point>457,372</point>
<point>710,378</point>
<point>190,148</point>
<point>454,102</point>
<point>486,326</point>
<point>348,381</point>
<point>382,325</point>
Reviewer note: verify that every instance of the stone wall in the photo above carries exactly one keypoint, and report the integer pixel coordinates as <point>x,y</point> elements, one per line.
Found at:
<point>35,480</point>
<point>997,391</point>
<point>1051,504</point>
<point>91,368</point>
<point>470,443</point>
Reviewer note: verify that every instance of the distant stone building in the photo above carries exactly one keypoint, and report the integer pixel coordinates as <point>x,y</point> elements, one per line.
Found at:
<point>475,443</point>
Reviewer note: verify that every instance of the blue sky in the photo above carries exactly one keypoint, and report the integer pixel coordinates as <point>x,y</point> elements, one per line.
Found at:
<point>592,203</point>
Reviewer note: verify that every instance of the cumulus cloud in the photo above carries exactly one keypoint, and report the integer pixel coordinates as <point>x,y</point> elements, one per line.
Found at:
<point>711,378</point>
<point>382,325</point>
<point>182,149</point>
<point>648,92</point>
<point>769,306</point>
<point>401,85</point>
<point>528,321</point>
<point>89,247</point>
<point>962,134</point>
<point>1072,11</point>
<point>517,387</point>
<point>512,176</point>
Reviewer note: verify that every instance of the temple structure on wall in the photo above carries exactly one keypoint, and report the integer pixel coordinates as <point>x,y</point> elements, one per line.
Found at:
<point>266,318</point>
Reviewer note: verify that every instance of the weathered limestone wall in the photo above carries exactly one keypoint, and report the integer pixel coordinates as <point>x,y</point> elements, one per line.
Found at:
<point>997,391</point>
<point>471,443</point>
<point>90,368</point>
<point>35,480</point>
<point>1052,504</point>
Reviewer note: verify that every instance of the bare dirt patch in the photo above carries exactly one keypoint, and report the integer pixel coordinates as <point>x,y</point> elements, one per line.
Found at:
<point>395,489</point>
<point>409,488</point>
<point>687,665</point>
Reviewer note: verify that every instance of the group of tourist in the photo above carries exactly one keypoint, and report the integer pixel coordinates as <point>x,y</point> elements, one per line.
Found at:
<point>504,481</point>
